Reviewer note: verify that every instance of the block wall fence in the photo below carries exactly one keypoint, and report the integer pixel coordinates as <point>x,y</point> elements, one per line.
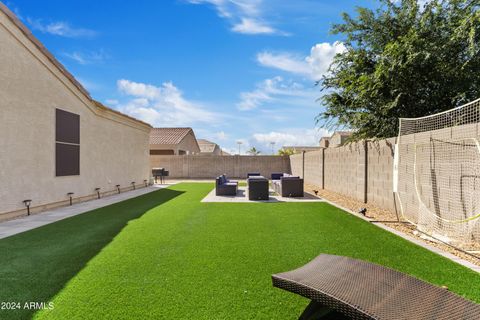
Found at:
<point>361,170</point>
<point>211,166</point>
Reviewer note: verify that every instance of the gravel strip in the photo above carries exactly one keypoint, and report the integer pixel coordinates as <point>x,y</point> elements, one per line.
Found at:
<point>387,218</point>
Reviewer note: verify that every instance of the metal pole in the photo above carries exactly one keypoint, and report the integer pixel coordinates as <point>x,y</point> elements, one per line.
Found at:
<point>303,164</point>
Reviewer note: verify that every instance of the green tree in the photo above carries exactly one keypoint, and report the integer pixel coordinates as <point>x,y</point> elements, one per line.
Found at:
<point>402,60</point>
<point>286,152</point>
<point>253,151</point>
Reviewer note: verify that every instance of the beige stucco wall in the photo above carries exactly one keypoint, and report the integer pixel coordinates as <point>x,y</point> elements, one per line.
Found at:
<point>113,149</point>
<point>203,166</point>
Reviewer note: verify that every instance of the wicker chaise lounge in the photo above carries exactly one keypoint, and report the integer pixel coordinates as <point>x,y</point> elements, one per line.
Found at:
<point>345,288</point>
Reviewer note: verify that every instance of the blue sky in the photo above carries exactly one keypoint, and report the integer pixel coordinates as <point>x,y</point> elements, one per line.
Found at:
<point>233,70</point>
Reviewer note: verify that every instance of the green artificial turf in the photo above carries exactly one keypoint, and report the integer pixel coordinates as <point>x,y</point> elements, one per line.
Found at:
<point>166,255</point>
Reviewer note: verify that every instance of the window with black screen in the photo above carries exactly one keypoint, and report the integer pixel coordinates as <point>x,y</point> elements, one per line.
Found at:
<point>67,143</point>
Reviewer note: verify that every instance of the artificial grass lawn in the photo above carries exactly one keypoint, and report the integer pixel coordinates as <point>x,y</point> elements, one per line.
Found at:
<point>166,255</point>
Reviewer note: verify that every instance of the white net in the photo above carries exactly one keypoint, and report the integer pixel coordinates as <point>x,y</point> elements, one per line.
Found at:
<point>438,174</point>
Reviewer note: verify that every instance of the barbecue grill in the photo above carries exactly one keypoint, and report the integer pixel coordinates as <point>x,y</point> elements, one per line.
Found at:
<point>159,173</point>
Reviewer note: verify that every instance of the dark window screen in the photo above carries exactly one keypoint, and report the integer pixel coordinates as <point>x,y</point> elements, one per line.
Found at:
<point>67,146</point>
<point>161,152</point>
<point>67,159</point>
<point>67,127</point>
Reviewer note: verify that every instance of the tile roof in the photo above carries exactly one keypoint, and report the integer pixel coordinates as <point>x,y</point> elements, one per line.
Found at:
<point>206,146</point>
<point>168,135</point>
<point>13,18</point>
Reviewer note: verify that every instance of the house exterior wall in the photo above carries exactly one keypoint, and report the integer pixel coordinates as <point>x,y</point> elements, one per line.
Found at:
<point>113,148</point>
<point>189,144</point>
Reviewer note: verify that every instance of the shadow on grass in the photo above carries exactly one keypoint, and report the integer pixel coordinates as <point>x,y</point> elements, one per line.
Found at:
<point>36,265</point>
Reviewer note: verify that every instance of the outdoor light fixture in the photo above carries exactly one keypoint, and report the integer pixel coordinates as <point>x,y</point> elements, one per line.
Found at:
<point>70,194</point>
<point>316,192</point>
<point>27,204</point>
<point>133,184</point>
<point>146,185</point>
<point>118,188</point>
<point>363,211</point>
<point>98,192</point>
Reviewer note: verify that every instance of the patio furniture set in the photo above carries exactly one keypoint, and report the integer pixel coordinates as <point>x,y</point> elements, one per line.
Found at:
<point>286,185</point>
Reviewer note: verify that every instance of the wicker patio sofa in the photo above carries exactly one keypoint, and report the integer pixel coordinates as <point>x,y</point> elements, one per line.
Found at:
<point>287,185</point>
<point>225,187</point>
<point>345,288</point>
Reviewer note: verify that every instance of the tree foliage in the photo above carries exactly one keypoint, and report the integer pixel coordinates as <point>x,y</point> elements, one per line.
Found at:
<point>402,60</point>
<point>253,151</point>
<point>286,152</point>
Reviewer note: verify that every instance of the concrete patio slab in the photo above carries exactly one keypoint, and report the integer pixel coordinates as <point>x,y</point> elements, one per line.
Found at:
<point>242,196</point>
<point>22,224</point>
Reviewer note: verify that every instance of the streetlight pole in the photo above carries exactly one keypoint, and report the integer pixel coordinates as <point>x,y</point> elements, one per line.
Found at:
<point>239,144</point>
<point>272,144</point>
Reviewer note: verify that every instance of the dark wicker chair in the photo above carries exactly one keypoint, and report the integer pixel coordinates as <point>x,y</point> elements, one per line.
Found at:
<point>258,188</point>
<point>345,288</point>
<point>225,187</point>
<point>288,186</point>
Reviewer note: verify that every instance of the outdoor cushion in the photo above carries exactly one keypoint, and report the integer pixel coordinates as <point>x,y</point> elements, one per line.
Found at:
<point>277,175</point>
<point>289,178</point>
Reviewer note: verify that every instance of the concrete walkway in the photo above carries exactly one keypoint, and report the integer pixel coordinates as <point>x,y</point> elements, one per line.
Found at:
<point>12,227</point>
<point>242,196</point>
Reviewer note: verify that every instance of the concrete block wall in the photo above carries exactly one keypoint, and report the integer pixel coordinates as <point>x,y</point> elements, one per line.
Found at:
<point>380,173</point>
<point>344,170</point>
<point>211,166</point>
<point>360,170</point>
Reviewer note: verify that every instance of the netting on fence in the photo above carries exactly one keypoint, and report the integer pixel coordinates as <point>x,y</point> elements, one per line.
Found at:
<point>437,170</point>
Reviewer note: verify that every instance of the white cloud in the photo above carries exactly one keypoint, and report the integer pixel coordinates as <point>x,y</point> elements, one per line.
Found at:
<point>60,28</point>
<point>252,26</point>
<point>85,58</point>
<point>275,89</point>
<point>162,106</point>
<point>221,136</point>
<point>313,66</point>
<point>283,61</point>
<point>288,137</point>
<point>245,16</point>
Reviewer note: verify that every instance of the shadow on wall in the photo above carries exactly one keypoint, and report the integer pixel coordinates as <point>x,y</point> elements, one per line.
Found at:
<point>37,264</point>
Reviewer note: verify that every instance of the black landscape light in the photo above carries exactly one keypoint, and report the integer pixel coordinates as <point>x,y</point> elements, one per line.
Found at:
<point>27,204</point>
<point>70,194</point>
<point>363,211</point>
<point>146,185</point>
<point>118,188</point>
<point>98,192</point>
<point>133,184</point>
<point>316,192</point>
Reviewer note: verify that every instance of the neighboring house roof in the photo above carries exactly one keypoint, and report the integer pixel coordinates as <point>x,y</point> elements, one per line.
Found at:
<point>325,138</point>
<point>57,64</point>
<point>169,135</point>
<point>206,146</point>
<point>225,153</point>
